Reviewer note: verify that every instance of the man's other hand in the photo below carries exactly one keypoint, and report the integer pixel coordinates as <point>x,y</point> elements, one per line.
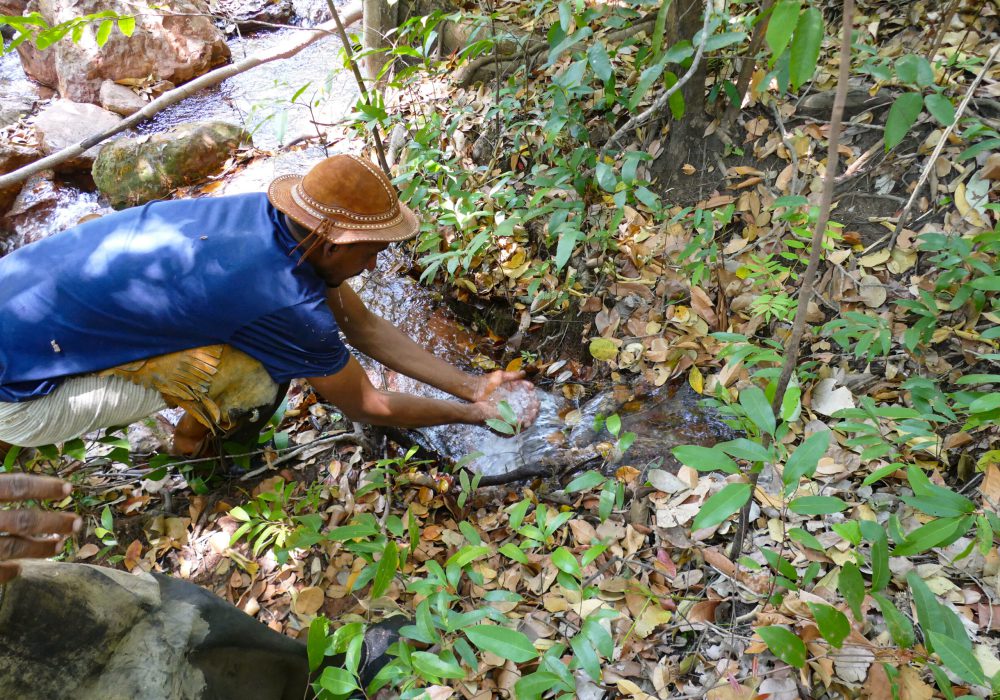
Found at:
<point>29,532</point>
<point>498,386</point>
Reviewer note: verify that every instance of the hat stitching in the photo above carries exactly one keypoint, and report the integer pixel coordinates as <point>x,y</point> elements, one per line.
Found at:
<point>300,193</point>
<point>379,175</point>
<point>350,225</point>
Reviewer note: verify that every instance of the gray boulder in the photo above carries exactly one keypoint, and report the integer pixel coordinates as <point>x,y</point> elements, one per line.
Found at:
<point>64,123</point>
<point>119,99</point>
<point>133,171</point>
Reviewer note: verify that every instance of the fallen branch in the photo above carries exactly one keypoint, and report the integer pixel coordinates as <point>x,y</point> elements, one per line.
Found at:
<point>809,276</point>
<point>661,101</point>
<point>351,14</point>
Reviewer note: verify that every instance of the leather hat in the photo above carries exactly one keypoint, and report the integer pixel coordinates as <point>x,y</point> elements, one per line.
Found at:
<point>345,199</point>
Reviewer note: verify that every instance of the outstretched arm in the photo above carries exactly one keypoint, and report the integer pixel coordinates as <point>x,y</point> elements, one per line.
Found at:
<point>351,391</point>
<point>384,343</point>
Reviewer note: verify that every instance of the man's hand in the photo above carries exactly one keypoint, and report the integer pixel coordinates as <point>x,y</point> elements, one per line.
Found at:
<point>28,532</point>
<point>497,386</point>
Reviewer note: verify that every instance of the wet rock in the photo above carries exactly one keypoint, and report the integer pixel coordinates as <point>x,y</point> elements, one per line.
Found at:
<point>248,14</point>
<point>132,171</point>
<point>14,155</point>
<point>14,105</point>
<point>64,123</point>
<point>46,205</point>
<point>312,11</point>
<point>175,47</point>
<point>119,99</point>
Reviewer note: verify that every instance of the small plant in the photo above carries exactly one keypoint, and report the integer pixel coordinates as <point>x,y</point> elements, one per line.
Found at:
<point>275,519</point>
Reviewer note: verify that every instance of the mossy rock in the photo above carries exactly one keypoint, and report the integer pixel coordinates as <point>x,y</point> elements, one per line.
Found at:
<point>133,171</point>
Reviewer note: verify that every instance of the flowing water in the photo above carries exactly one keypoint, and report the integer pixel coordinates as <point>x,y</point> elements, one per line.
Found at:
<point>259,99</point>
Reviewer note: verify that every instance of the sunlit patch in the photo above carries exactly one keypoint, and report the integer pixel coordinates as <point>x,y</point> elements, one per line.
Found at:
<point>157,236</point>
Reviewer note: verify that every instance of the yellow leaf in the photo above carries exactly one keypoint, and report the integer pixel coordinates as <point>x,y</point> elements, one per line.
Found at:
<point>696,380</point>
<point>603,349</point>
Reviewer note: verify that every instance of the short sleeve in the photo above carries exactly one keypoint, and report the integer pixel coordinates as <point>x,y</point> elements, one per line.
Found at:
<point>294,342</point>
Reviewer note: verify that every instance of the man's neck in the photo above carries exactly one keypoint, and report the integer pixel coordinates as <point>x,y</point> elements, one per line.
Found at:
<point>298,231</point>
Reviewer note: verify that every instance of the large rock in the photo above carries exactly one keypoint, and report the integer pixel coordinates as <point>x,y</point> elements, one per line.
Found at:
<point>14,155</point>
<point>46,204</point>
<point>134,171</point>
<point>119,99</point>
<point>64,123</point>
<point>248,14</point>
<point>175,47</point>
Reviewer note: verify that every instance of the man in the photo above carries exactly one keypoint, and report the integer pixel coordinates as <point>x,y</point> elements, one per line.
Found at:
<point>214,305</point>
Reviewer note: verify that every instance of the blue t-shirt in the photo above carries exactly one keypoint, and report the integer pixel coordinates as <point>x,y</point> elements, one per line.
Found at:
<point>160,278</point>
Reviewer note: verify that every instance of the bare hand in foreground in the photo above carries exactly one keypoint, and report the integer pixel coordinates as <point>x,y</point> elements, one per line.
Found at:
<point>513,388</point>
<point>30,532</point>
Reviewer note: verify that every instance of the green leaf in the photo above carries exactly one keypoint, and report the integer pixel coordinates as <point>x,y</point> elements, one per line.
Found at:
<point>816,505</point>
<point>942,680</point>
<point>467,554</point>
<point>784,644</point>
<point>470,533</point>
<point>605,175</point>
<point>239,513</point>
<point>649,76</point>
<point>914,70</point>
<point>613,424</point>
<point>433,666</point>
<point>532,687</point>
<point>802,462</point>
<point>387,566</point>
<point>758,409</point>
<point>805,46</point>
<point>936,533</point>
<point>126,25</point>
<point>880,561</point>
<point>600,61</point>
<point>902,115</point>
<point>899,625</point>
<point>564,560</point>
<point>585,481</point>
<point>741,448</point>
<point>833,624</point>
<point>705,458</point>
<point>940,108</point>
<point>316,641</point>
<point>722,505</point>
<point>975,150</point>
<point>928,608</point>
<point>104,31</point>
<point>985,404</point>
<point>338,681</point>
<point>806,538</point>
<point>956,659</point>
<point>505,643</point>
<point>585,655</point>
<point>501,426</point>
<point>852,587</point>
<point>784,17</point>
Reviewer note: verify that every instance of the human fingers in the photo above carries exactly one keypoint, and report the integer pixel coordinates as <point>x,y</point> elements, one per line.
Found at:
<point>22,487</point>
<point>28,522</point>
<point>8,571</point>
<point>12,547</point>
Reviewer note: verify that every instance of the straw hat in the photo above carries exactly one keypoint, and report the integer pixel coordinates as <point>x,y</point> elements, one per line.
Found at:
<point>344,199</point>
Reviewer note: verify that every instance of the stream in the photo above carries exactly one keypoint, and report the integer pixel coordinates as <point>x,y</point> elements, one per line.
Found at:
<point>661,417</point>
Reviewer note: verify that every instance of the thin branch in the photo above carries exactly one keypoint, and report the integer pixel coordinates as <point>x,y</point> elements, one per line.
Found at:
<point>352,13</point>
<point>929,165</point>
<point>809,276</point>
<point>661,101</point>
<point>346,41</point>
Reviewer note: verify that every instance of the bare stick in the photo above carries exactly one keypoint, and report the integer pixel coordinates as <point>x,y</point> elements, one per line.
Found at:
<point>379,149</point>
<point>661,101</point>
<point>352,13</point>
<point>809,276</point>
<point>929,165</point>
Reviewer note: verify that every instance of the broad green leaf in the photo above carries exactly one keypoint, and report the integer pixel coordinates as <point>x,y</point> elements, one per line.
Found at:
<point>433,666</point>
<point>565,247</point>
<point>833,624</point>
<point>956,659</point>
<point>975,150</point>
<point>467,554</point>
<point>505,643</point>
<point>604,173</point>
<point>705,458</point>
<point>103,32</point>
<point>723,39</point>
<point>936,533</point>
<point>316,641</point>
<point>806,538</point>
<point>899,625</point>
<point>942,680</point>
<point>338,681</point>
<point>914,70</point>
<point>470,533</point>
<point>585,655</point>
<point>784,644</point>
<point>902,115</point>
<point>565,561</point>
<point>126,25</point>
<point>940,108</point>
<point>806,44</point>
<point>784,17</point>
<point>758,409</point>
<point>600,61</point>
<point>880,561</point>
<point>722,505</point>
<point>649,76</point>
<point>985,404</point>
<point>802,462</point>
<point>852,587</point>
<point>585,481</point>
<point>239,513</point>
<point>928,608</point>
<point>613,424</point>
<point>741,448</point>
<point>816,505</point>
<point>532,687</point>
<point>386,570</point>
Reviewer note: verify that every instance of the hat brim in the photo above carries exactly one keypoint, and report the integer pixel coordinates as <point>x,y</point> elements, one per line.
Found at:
<point>279,192</point>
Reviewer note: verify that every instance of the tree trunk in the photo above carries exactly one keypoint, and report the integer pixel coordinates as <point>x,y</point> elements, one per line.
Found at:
<point>684,20</point>
<point>379,19</point>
